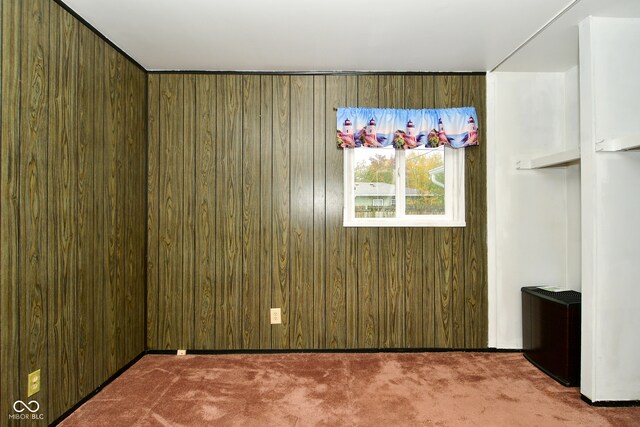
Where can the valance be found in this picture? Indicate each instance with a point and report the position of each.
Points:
(406, 129)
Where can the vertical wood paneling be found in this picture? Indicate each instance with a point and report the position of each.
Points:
(280, 334)
(134, 168)
(171, 215)
(153, 206)
(413, 318)
(251, 279)
(368, 262)
(337, 287)
(351, 249)
(391, 254)
(188, 212)
(449, 317)
(99, 208)
(119, 93)
(336, 316)
(301, 211)
(205, 209)
(140, 185)
(229, 210)
(429, 262)
(62, 233)
(475, 236)
(113, 128)
(10, 223)
(319, 207)
(86, 214)
(33, 259)
(266, 208)
(63, 198)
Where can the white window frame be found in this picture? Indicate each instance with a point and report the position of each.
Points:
(454, 215)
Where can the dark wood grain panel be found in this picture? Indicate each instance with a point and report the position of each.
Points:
(134, 175)
(139, 187)
(9, 207)
(368, 262)
(153, 205)
(457, 236)
(188, 212)
(62, 196)
(170, 211)
(229, 212)
(33, 256)
(205, 169)
(280, 334)
(100, 201)
(302, 204)
(129, 220)
(351, 249)
(475, 237)
(266, 207)
(62, 230)
(114, 138)
(448, 277)
(414, 283)
(251, 186)
(319, 211)
(86, 214)
(429, 263)
(336, 295)
(392, 244)
(119, 93)
(368, 287)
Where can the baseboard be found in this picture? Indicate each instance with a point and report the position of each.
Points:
(610, 403)
(100, 387)
(342, 350)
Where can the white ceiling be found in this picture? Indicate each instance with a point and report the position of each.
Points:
(319, 35)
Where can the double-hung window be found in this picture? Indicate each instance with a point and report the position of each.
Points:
(385, 187)
(405, 168)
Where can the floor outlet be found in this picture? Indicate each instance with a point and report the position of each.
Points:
(276, 316)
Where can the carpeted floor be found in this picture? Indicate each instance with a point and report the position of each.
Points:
(342, 389)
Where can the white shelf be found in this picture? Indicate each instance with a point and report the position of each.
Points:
(561, 158)
(624, 143)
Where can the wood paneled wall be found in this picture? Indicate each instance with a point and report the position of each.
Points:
(72, 207)
(245, 213)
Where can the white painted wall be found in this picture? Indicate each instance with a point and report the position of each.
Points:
(610, 97)
(532, 221)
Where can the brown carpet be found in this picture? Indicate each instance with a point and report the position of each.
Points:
(344, 389)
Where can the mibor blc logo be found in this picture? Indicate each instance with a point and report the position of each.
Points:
(26, 411)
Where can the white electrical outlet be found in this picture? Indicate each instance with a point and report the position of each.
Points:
(182, 352)
(276, 316)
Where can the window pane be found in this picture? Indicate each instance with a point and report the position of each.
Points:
(424, 184)
(375, 183)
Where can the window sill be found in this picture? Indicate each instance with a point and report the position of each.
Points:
(403, 223)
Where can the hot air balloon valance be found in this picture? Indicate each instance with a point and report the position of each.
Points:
(406, 129)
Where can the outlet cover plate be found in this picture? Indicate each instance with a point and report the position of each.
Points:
(276, 316)
(33, 383)
(182, 352)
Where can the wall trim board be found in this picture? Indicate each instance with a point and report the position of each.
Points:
(84, 22)
(173, 352)
(322, 73)
(610, 403)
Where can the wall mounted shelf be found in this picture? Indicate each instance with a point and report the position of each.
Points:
(624, 143)
(559, 159)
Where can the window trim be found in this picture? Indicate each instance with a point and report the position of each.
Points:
(454, 194)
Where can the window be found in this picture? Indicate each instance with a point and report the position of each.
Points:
(385, 187)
